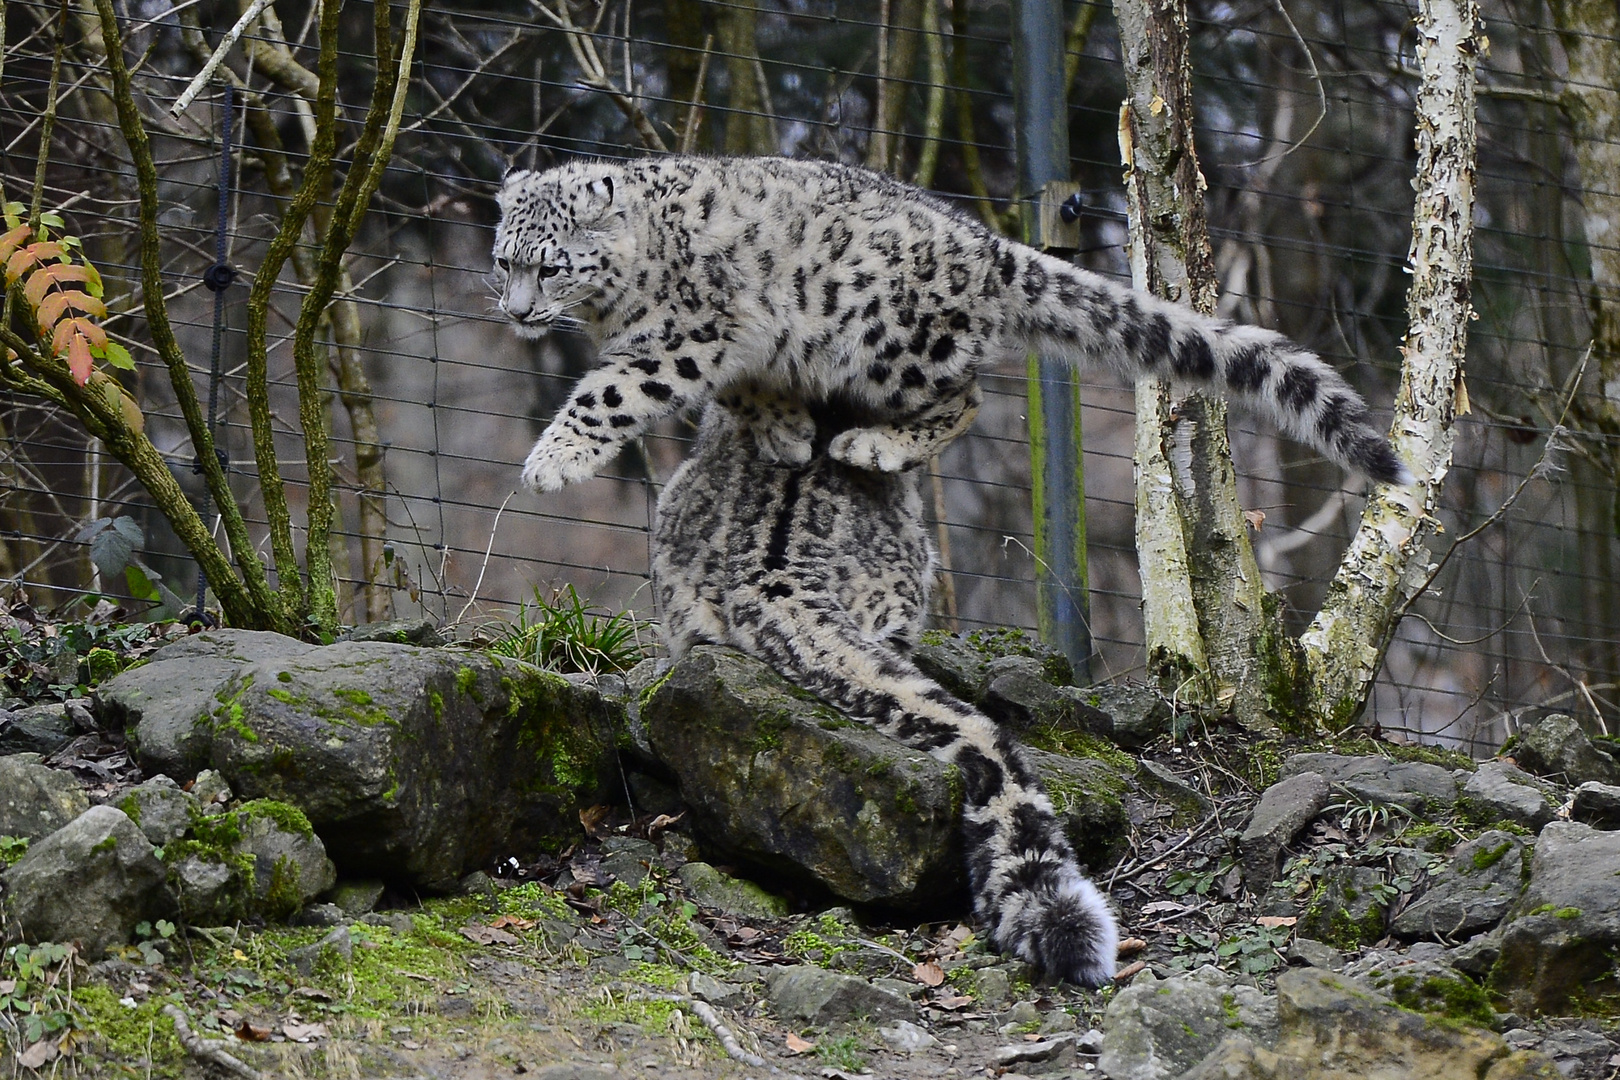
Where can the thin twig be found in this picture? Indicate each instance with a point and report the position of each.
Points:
(225, 43)
(694, 111)
(210, 1051)
(473, 599)
(712, 1021)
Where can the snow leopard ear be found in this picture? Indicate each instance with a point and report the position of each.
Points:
(597, 202)
(509, 183)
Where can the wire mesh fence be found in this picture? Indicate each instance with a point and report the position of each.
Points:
(1304, 128)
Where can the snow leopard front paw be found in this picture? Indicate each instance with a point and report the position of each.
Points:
(790, 441)
(554, 463)
(874, 449)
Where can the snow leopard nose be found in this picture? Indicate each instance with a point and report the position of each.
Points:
(518, 301)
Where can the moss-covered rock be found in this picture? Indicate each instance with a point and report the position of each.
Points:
(777, 780)
(1347, 910)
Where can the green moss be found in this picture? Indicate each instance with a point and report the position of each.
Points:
(353, 696)
(996, 642)
(1452, 999)
(288, 817)
(1567, 913)
(535, 699)
(284, 896)
(1263, 763)
(467, 683)
(1229, 1006)
(283, 696)
(12, 849)
(107, 843)
(1081, 744)
(1427, 755)
(102, 664)
(126, 1038)
(131, 806)
(1284, 679)
(1485, 858)
(436, 703)
(284, 676)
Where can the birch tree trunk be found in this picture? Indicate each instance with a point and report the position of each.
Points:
(1210, 630)
(1388, 560)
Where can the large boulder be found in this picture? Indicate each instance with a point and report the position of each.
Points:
(1560, 943)
(35, 801)
(1499, 791)
(166, 705)
(776, 779)
(413, 765)
(36, 729)
(1556, 746)
(1414, 785)
(1470, 893)
(90, 882)
(261, 860)
(1157, 1028)
(1334, 1028)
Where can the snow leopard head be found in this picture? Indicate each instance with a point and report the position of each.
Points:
(555, 245)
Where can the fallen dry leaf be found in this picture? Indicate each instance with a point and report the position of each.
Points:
(487, 935)
(797, 1045)
(304, 1032)
(591, 817)
(38, 1055)
(1131, 945)
(1271, 922)
(1162, 906)
(7, 985)
(952, 1002)
(514, 921)
(248, 1031)
(313, 993)
(929, 974)
(1129, 971)
(1255, 518)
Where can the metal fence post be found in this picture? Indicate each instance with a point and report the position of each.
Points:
(1042, 143)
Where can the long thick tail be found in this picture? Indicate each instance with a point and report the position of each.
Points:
(1026, 883)
(1090, 319)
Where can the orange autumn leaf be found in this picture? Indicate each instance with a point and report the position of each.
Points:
(929, 974)
(31, 256)
(95, 335)
(54, 306)
(11, 241)
(79, 359)
(797, 1045)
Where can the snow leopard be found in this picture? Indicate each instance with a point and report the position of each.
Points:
(817, 281)
(822, 570)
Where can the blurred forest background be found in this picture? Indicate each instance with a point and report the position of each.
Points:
(1304, 130)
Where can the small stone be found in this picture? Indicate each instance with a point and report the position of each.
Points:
(337, 945)
(1157, 1029)
(1597, 805)
(1502, 791)
(992, 987)
(90, 881)
(710, 888)
(211, 790)
(357, 896)
(1556, 746)
(35, 800)
(1023, 1014)
(1347, 912)
(161, 808)
(904, 1037)
(36, 729)
(319, 915)
(1020, 697)
(708, 988)
(1285, 808)
(1136, 715)
(1316, 954)
(400, 922)
(806, 995)
(627, 859)
(423, 633)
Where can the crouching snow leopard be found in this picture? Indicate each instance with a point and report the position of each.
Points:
(822, 570)
(817, 281)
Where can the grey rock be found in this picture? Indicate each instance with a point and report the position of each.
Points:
(35, 801)
(335, 947)
(1316, 954)
(904, 1037)
(1565, 931)
(356, 896)
(90, 881)
(290, 866)
(710, 888)
(319, 915)
(708, 988)
(1413, 784)
(415, 764)
(36, 729)
(1587, 1048)
(1162, 785)
(209, 891)
(1476, 956)
(211, 790)
(1157, 1028)
(1597, 805)
(1346, 912)
(1053, 1052)
(1135, 715)
(1420, 978)
(576, 1071)
(954, 664)
(992, 987)
(806, 995)
(774, 779)
(1285, 808)
(165, 705)
(1499, 790)
(1332, 1028)
(1021, 696)
(1089, 795)
(1556, 746)
(400, 922)
(423, 633)
(1471, 893)
(161, 808)
(627, 859)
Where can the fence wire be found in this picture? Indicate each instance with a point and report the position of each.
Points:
(1304, 128)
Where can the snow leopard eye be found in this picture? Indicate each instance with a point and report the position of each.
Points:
(550, 271)
(505, 265)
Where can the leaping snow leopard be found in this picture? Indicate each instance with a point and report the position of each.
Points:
(822, 570)
(818, 281)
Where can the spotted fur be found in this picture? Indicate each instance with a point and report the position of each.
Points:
(819, 282)
(822, 570)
